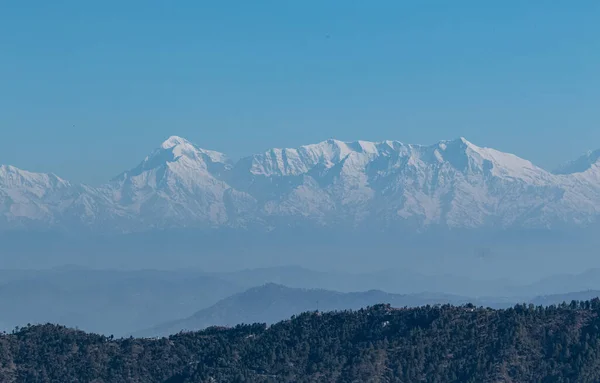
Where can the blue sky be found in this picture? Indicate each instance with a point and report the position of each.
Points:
(87, 89)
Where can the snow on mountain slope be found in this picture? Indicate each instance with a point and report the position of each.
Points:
(34, 199)
(581, 181)
(290, 162)
(455, 183)
(333, 183)
(588, 161)
(178, 183)
(26, 195)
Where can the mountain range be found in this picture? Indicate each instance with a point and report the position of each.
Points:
(385, 185)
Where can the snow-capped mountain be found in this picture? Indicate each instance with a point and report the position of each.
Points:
(27, 195)
(589, 160)
(178, 184)
(453, 184)
(36, 200)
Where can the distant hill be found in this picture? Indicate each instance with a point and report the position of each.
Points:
(560, 283)
(379, 344)
(546, 300)
(106, 301)
(396, 280)
(273, 302)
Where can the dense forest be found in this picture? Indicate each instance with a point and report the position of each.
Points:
(442, 344)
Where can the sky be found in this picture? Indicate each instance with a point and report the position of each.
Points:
(88, 89)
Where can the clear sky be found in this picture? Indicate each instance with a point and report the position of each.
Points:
(88, 88)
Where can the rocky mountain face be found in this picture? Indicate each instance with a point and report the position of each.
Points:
(387, 185)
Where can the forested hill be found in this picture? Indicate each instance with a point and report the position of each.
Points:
(379, 344)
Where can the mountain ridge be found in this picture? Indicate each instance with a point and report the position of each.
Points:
(272, 302)
(453, 184)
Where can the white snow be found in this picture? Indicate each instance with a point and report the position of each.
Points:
(174, 141)
(452, 183)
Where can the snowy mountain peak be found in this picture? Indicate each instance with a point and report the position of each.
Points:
(295, 161)
(174, 141)
(14, 177)
(459, 153)
(582, 164)
(500, 164)
(175, 156)
(179, 146)
(9, 169)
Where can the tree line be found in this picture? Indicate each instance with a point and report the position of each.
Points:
(437, 344)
